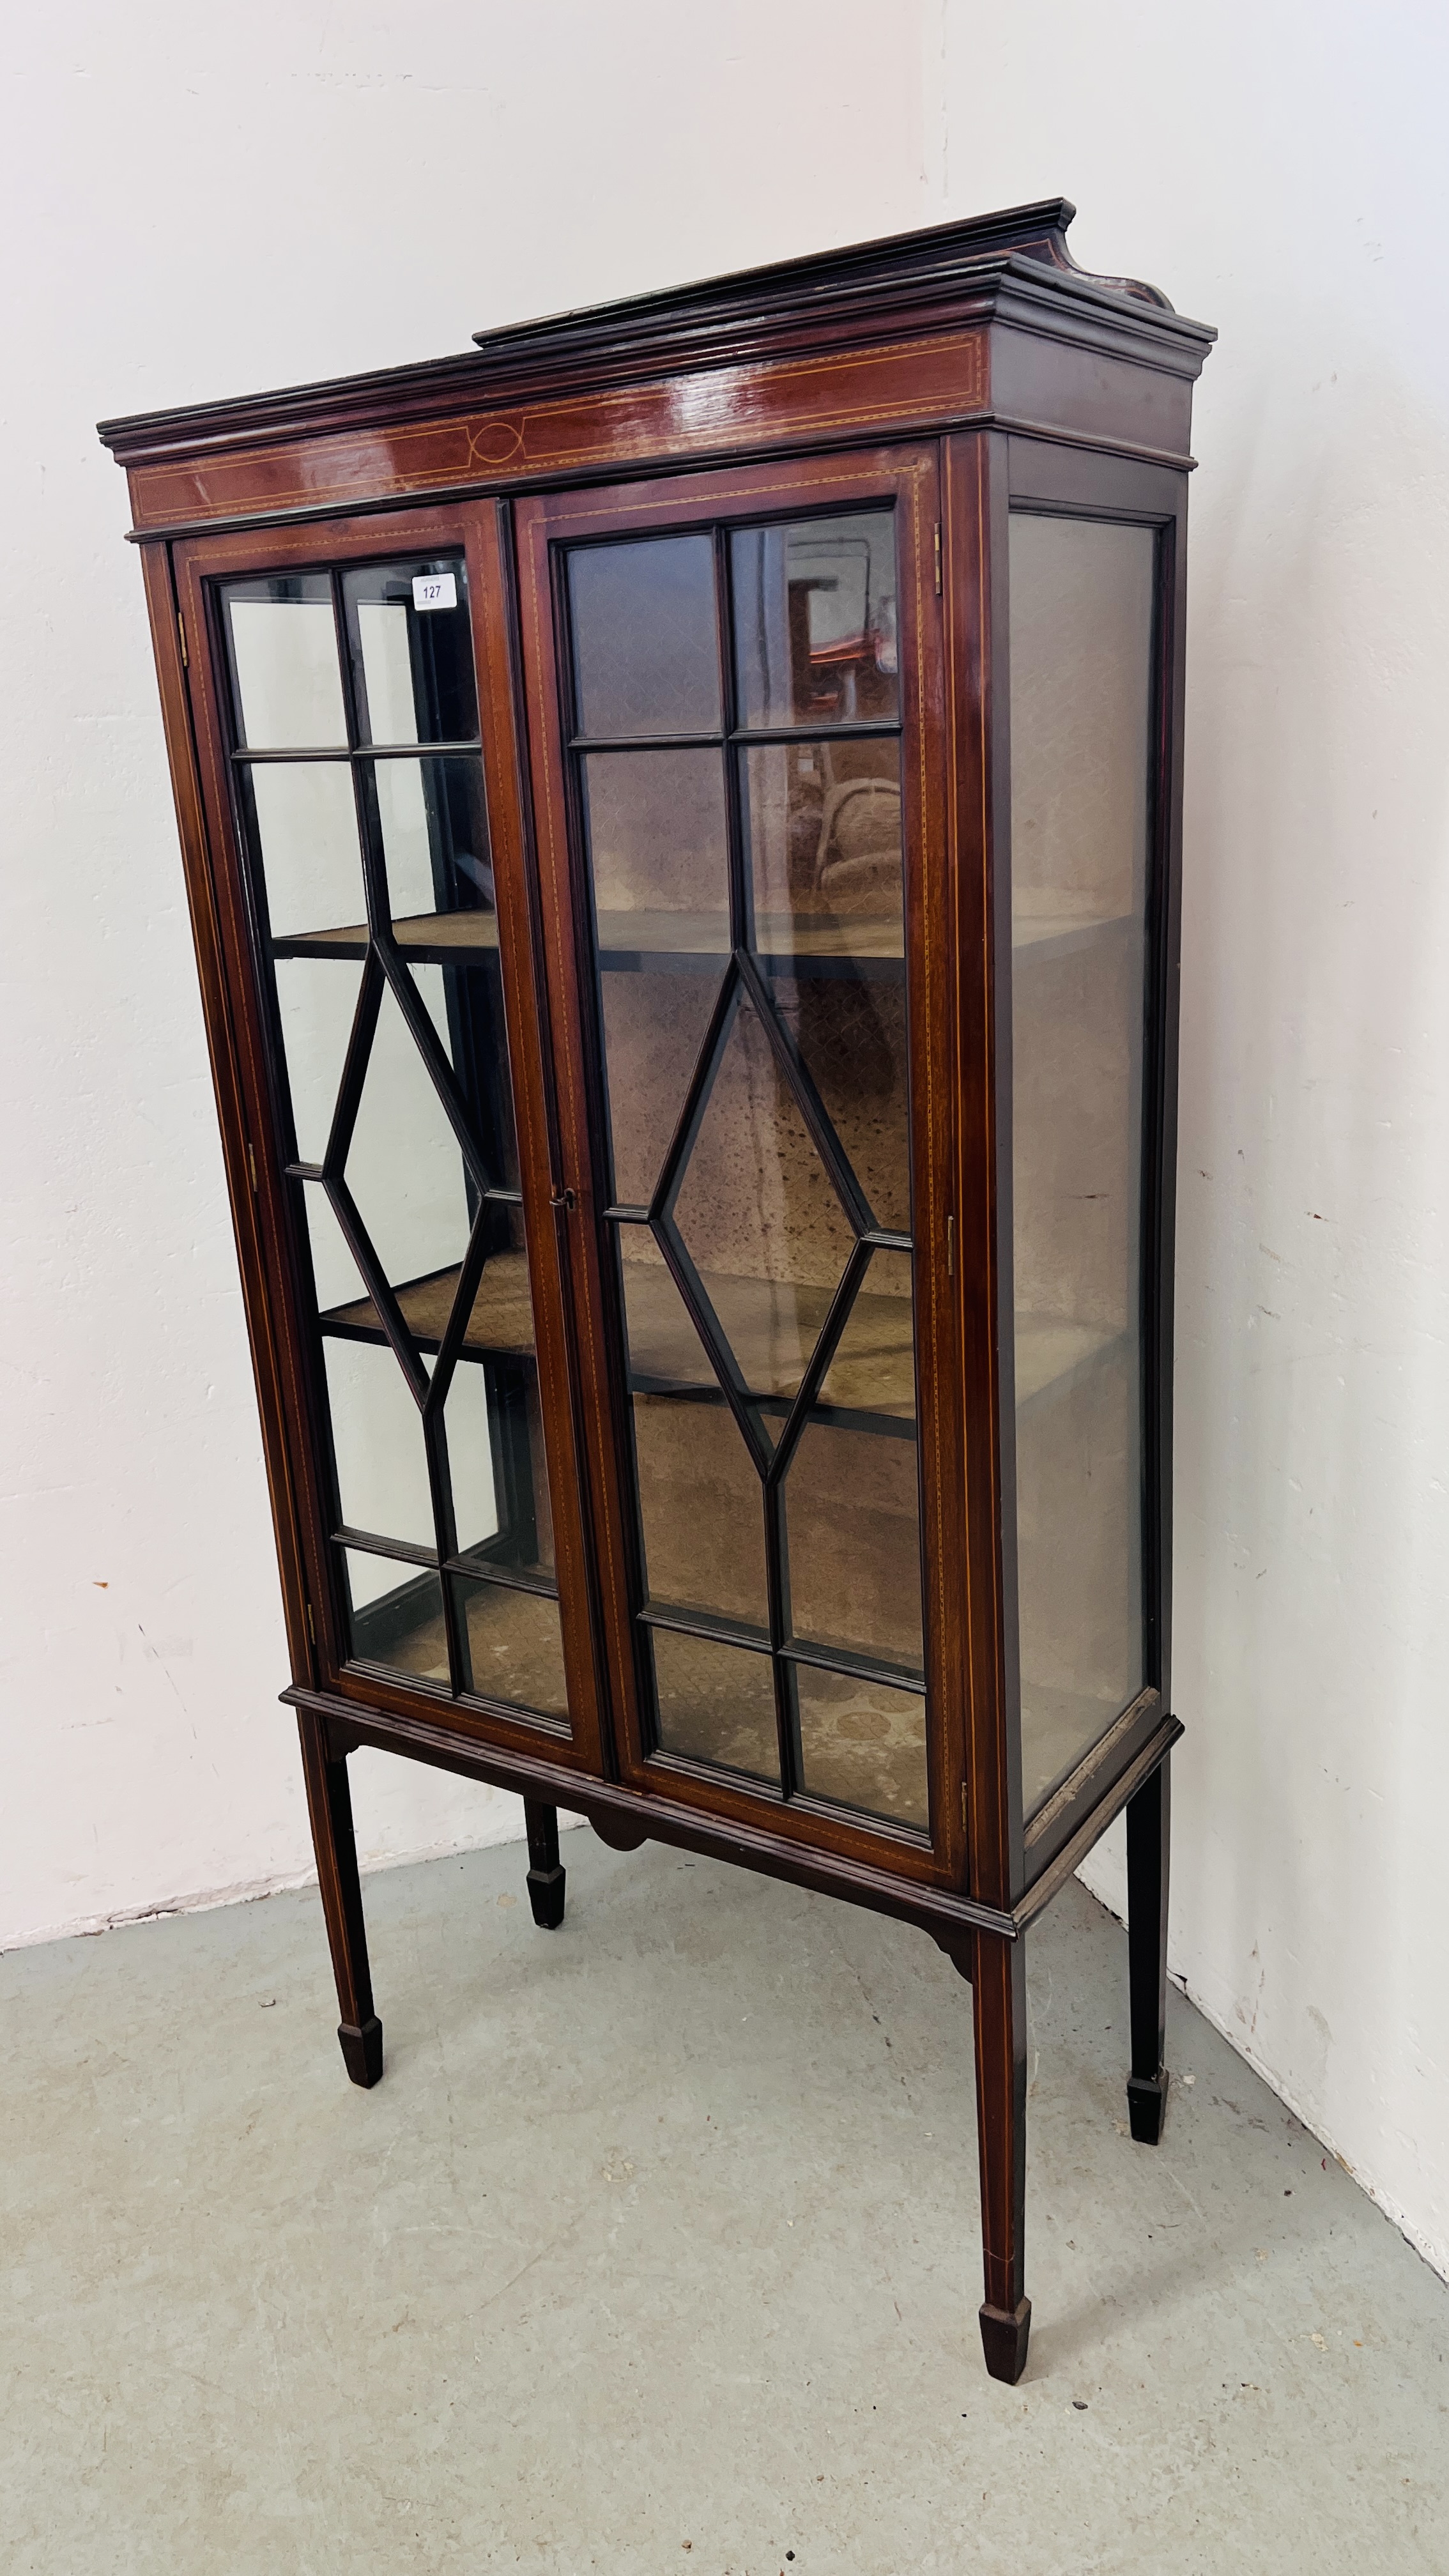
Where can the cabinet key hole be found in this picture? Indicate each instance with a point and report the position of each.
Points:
(563, 1199)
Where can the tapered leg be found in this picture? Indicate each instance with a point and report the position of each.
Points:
(329, 1804)
(1148, 1819)
(998, 2002)
(545, 1870)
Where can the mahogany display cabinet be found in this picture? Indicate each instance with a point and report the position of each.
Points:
(680, 809)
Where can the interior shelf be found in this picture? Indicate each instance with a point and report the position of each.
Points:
(772, 1327)
(1040, 935)
(501, 1324)
(438, 935)
(1053, 1352)
(631, 941)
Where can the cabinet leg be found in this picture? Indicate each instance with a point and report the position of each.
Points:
(998, 2005)
(1148, 1819)
(546, 1873)
(329, 1803)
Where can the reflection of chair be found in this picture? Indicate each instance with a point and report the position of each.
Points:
(859, 850)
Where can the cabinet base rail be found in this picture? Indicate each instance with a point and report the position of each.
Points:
(983, 1942)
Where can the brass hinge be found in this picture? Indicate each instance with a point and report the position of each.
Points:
(938, 558)
(252, 1168)
(950, 1247)
(181, 631)
(965, 1805)
(311, 1631)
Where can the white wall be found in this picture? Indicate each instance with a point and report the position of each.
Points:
(1275, 168)
(206, 202)
(200, 201)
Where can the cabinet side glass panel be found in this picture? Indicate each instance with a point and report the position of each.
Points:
(1082, 628)
(364, 821)
(748, 916)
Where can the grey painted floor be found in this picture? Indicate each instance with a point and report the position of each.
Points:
(656, 2249)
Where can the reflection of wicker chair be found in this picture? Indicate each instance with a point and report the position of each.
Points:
(858, 854)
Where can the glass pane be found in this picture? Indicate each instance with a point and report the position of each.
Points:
(815, 620)
(654, 1028)
(396, 1616)
(759, 1215)
(377, 1441)
(412, 653)
(716, 1702)
(434, 829)
(286, 685)
(316, 1003)
(335, 1275)
(514, 1646)
(872, 1368)
(302, 818)
(465, 1006)
(850, 1030)
(403, 1166)
(664, 1349)
(852, 1518)
(863, 1744)
(646, 652)
(659, 857)
(1081, 695)
(823, 823)
(658, 849)
(496, 1460)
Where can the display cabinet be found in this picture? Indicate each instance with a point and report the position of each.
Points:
(680, 808)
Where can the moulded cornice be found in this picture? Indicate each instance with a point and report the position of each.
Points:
(1014, 266)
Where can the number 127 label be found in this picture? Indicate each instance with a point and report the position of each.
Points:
(435, 590)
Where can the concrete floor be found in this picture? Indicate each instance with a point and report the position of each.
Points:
(657, 2248)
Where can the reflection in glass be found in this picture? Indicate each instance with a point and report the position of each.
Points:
(1081, 695)
(815, 620)
(716, 1703)
(412, 667)
(403, 1165)
(513, 1645)
(316, 1004)
(377, 1442)
(863, 1744)
(396, 1616)
(646, 652)
(304, 821)
(700, 1501)
(286, 686)
(823, 824)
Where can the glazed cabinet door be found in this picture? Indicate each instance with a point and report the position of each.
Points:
(735, 700)
(363, 801)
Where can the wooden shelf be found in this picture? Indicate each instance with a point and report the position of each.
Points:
(500, 1327)
(772, 1329)
(1054, 1352)
(631, 942)
(436, 935)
